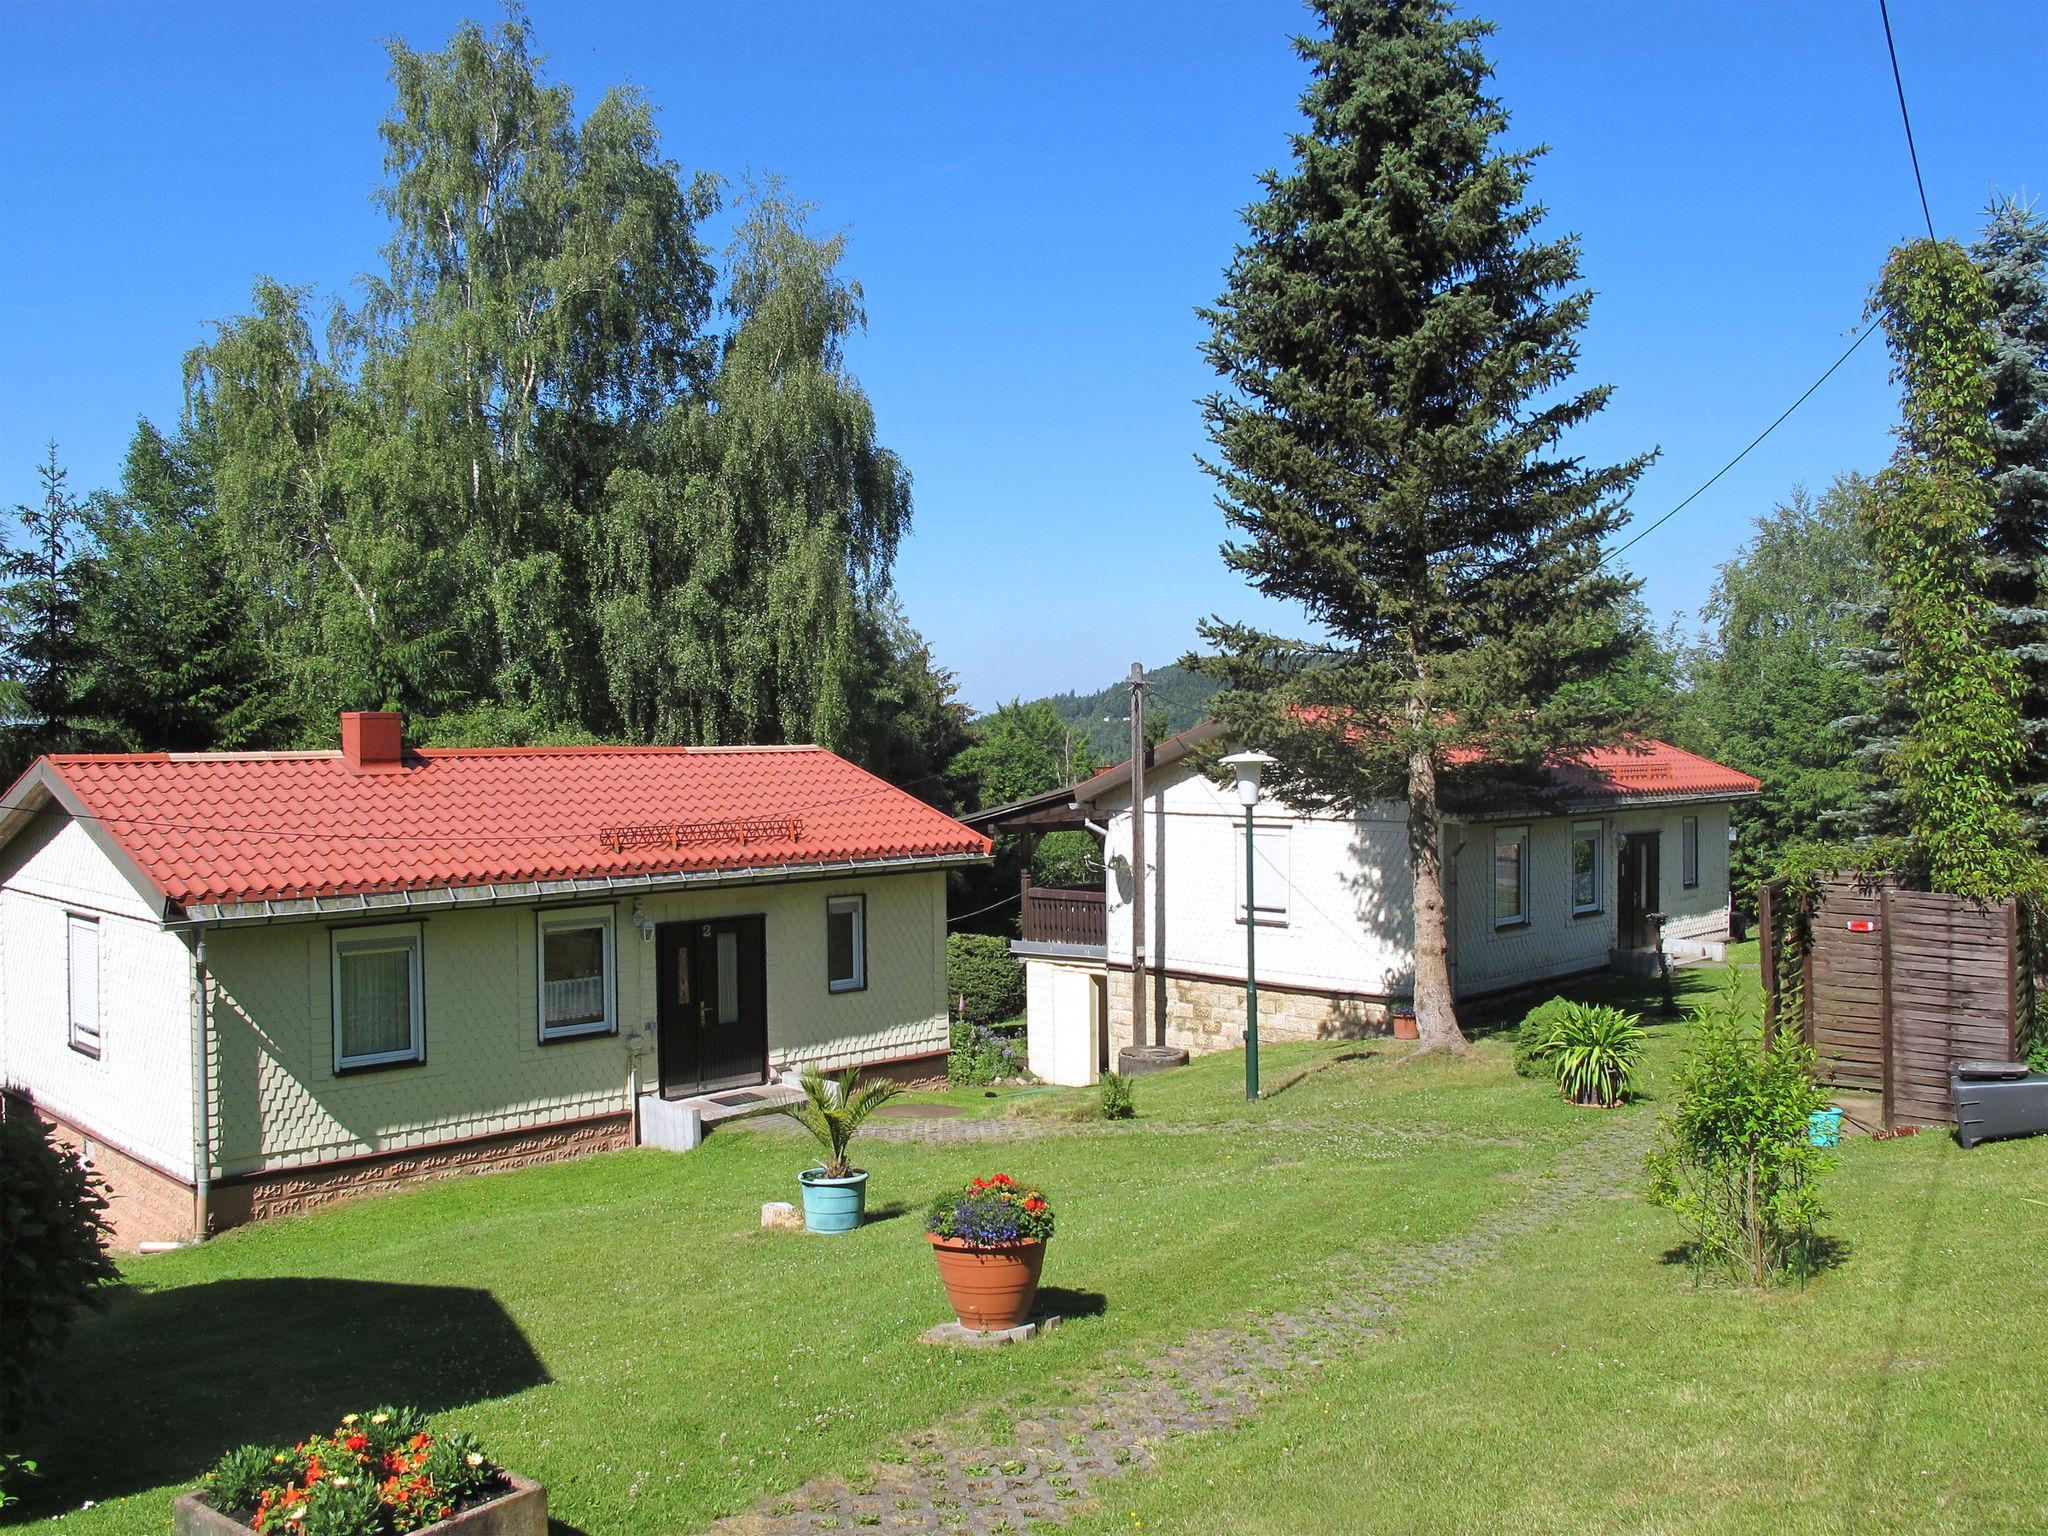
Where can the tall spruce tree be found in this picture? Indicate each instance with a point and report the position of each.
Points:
(1397, 347)
(175, 661)
(2013, 258)
(43, 651)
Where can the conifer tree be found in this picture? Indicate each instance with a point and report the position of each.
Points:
(43, 652)
(1397, 344)
(2013, 258)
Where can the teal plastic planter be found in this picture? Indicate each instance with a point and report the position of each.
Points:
(1824, 1126)
(833, 1205)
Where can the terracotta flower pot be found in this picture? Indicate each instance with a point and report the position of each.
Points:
(992, 1287)
(1404, 1025)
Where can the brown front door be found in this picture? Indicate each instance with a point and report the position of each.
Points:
(1636, 891)
(711, 1004)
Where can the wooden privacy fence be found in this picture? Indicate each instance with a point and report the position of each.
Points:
(1892, 985)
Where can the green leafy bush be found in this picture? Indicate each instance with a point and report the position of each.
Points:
(1119, 1097)
(1532, 1038)
(1733, 1159)
(982, 1055)
(1593, 1053)
(984, 980)
(53, 1254)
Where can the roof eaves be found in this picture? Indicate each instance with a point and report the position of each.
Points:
(504, 893)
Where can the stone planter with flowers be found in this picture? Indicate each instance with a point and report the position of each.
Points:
(384, 1473)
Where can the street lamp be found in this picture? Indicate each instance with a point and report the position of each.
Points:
(1248, 766)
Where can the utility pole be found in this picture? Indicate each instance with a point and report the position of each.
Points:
(1139, 978)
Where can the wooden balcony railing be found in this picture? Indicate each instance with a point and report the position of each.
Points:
(1055, 915)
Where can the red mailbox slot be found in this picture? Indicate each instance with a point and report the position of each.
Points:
(1861, 925)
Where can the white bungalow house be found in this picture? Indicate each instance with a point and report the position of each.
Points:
(1535, 892)
(248, 983)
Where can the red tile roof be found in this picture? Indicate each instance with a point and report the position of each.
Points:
(1655, 768)
(222, 828)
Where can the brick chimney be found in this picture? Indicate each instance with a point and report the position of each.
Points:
(373, 740)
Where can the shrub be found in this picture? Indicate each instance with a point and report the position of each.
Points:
(1532, 1039)
(1733, 1159)
(993, 1210)
(983, 978)
(982, 1055)
(379, 1474)
(53, 1254)
(1593, 1053)
(1119, 1097)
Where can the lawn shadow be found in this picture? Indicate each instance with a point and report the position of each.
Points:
(1342, 1058)
(1823, 1253)
(1060, 1301)
(888, 1211)
(564, 1528)
(176, 1377)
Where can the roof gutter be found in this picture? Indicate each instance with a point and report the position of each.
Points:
(401, 904)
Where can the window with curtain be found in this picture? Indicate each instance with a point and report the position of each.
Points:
(1586, 867)
(82, 968)
(576, 973)
(1270, 875)
(379, 1015)
(846, 943)
(1689, 851)
(1510, 876)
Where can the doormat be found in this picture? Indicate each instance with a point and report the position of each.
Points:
(735, 1100)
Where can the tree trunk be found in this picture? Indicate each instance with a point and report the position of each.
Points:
(1436, 1020)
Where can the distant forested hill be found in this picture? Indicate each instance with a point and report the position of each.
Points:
(1177, 700)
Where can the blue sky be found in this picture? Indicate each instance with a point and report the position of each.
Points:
(1038, 196)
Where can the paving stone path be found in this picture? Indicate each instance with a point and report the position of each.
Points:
(1058, 1457)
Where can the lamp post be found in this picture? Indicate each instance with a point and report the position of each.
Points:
(1248, 766)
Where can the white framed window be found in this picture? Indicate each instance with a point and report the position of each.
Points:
(1510, 876)
(1586, 867)
(578, 972)
(846, 943)
(379, 996)
(1689, 851)
(82, 986)
(1270, 882)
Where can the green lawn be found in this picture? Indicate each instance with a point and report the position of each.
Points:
(621, 1328)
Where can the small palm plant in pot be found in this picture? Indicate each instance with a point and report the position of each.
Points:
(989, 1239)
(1594, 1051)
(833, 1109)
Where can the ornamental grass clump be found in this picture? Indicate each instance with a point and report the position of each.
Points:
(382, 1473)
(1734, 1160)
(1593, 1052)
(990, 1212)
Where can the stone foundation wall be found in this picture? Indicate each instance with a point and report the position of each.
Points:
(1203, 1015)
(144, 1204)
(257, 1197)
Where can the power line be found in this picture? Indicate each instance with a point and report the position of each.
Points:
(1016, 896)
(1863, 336)
(1905, 116)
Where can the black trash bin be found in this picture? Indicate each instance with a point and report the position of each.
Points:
(1995, 1099)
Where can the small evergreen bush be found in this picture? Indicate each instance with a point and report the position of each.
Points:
(1533, 1038)
(984, 980)
(1733, 1160)
(53, 1254)
(1119, 1097)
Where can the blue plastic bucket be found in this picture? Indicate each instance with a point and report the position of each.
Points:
(833, 1205)
(1824, 1126)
